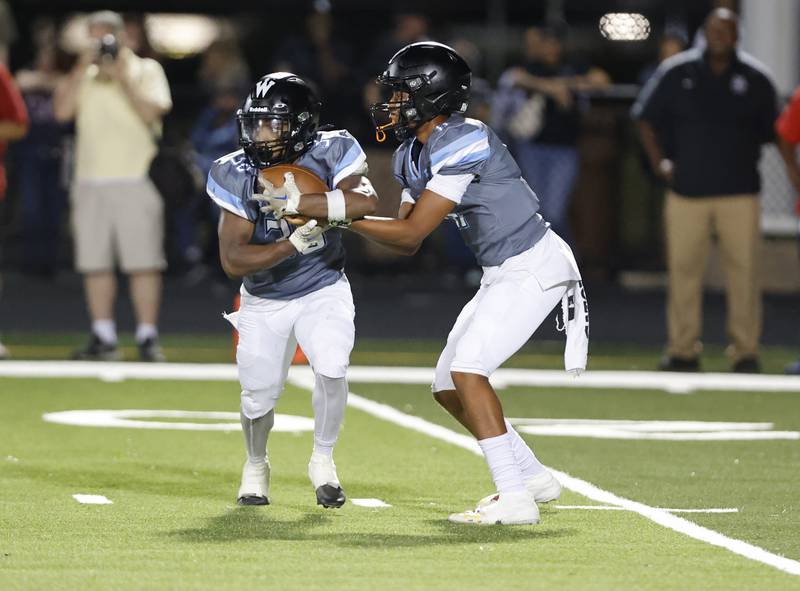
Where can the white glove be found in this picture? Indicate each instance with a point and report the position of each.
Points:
(282, 200)
(308, 238)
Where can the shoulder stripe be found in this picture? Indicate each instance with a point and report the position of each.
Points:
(352, 161)
(757, 65)
(474, 152)
(224, 198)
(477, 135)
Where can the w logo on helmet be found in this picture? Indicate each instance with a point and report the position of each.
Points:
(263, 86)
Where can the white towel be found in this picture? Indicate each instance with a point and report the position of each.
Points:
(574, 321)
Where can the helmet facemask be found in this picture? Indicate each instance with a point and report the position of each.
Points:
(399, 112)
(268, 138)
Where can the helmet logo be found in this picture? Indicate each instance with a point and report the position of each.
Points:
(414, 83)
(263, 86)
(303, 116)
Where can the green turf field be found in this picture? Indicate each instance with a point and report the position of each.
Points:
(174, 524)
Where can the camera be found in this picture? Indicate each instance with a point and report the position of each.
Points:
(108, 48)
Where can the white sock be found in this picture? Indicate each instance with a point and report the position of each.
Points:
(527, 461)
(105, 330)
(500, 457)
(146, 331)
(256, 432)
(329, 400)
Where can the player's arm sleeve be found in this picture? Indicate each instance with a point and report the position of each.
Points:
(347, 157)
(788, 124)
(224, 193)
(457, 157)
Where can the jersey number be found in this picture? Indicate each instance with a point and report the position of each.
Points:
(281, 226)
(460, 221)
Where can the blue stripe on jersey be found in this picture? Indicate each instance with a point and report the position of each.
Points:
(350, 156)
(225, 196)
(453, 147)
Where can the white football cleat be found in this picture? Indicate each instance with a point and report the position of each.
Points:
(544, 487)
(322, 472)
(516, 508)
(254, 489)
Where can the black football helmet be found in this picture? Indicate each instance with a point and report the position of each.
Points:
(278, 120)
(433, 79)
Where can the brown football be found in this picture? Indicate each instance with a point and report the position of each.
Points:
(306, 181)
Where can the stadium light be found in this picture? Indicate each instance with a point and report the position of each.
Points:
(181, 35)
(624, 26)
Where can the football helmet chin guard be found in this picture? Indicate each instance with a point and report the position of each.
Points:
(431, 79)
(278, 120)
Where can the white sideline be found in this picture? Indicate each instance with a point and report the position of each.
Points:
(302, 377)
(636, 380)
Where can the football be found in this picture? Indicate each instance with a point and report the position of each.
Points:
(305, 179)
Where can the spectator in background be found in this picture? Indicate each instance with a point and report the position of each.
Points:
(42, 182)
(215, 134)
(409, 27)
(222, 60)
(117, 101)
(136, 36)
(714, 108)
(8, 31)
(539, 110)
(326, 60)
(787, 128)
(672, 42)
(13, 126)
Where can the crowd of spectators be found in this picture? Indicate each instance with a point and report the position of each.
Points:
(64, 148)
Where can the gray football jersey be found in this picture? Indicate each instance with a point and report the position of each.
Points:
(498, 214)
(334, 156)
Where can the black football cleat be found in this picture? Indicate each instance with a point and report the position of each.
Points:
(330, 497)
(252, 500)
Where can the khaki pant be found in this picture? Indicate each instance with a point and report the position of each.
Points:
(118, 221)
(690, 226)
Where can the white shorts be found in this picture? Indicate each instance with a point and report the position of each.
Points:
(512, 302)
(269, 330)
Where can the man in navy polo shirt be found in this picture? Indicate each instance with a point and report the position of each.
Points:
(703, 117)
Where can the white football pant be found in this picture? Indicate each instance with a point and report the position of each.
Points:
(269, 330)
(512, 302)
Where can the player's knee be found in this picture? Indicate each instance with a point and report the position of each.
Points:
(257, 403)
(464, 380)
(333, 369)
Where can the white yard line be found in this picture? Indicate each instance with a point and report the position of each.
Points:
(660, 516)
(84, 499)
(301, 376)
(626, 380)
(615, 508)
(370, 503)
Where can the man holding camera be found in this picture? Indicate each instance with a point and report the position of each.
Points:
(117, 100)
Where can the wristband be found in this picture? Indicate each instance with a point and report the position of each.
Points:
(337, 210)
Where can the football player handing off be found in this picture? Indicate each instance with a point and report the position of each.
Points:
(453, 167)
